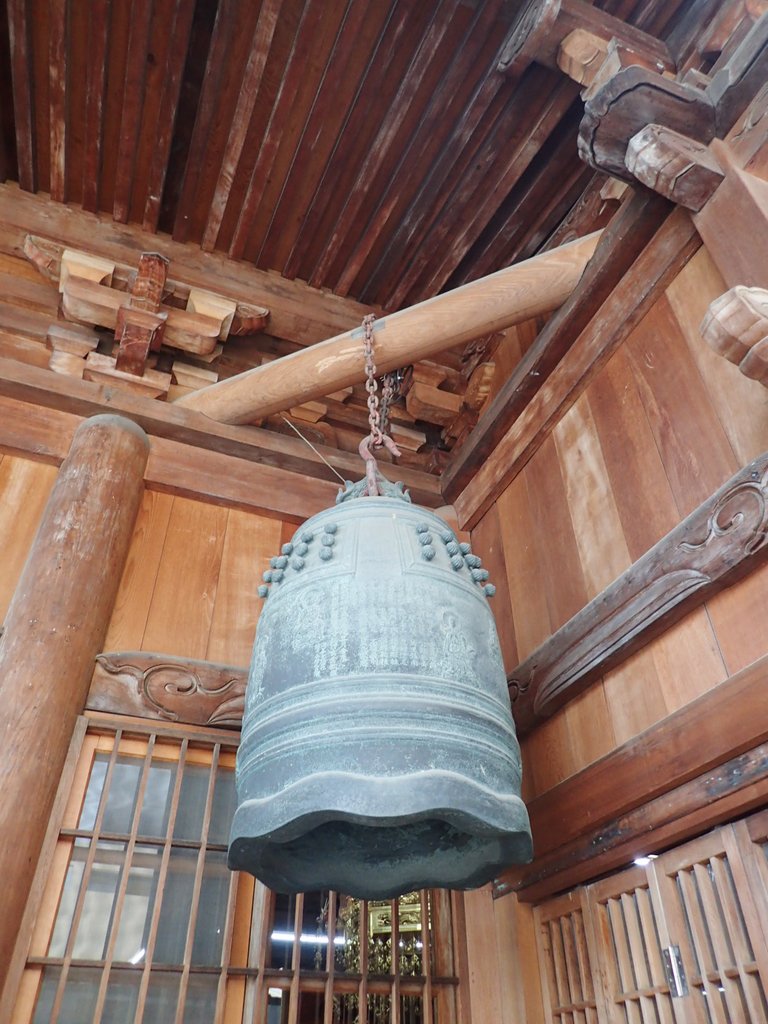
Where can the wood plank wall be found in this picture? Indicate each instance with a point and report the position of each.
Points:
(24, 489)
(663, 426)
(189, 586)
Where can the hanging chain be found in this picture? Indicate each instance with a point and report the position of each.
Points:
(378, 413)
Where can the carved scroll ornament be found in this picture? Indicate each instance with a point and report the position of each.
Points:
(168, 688)
(719, 543)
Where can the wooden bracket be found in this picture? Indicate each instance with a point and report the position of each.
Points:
(632, 99)
(736, 327)
(673, 165)
(542, 26)
(723, 540)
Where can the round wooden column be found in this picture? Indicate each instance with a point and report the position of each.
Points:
(54, 628)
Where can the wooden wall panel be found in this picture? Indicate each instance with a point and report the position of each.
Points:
(503, 970)
(24, 490)
(663, 425)
(189, 586)
(249, 543)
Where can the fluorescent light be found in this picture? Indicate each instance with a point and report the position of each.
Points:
(308, 940)
(137, 956)
(275, 993)
(645, 859)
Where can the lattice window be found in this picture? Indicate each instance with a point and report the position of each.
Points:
(682, 939)
(569, 993)
(142, 922)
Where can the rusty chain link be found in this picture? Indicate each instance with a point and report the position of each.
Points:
(378, 413)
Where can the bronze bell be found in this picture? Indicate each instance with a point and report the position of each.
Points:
(378, 751)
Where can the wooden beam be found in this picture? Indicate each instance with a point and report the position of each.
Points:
(593, 806)
(297, 312)
(630, 230)
(160, 419)
(54, 628)
(542, 25)
(721, 542)
(586, 353)
(507, 297)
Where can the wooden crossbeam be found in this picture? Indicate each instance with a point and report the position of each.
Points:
(653, 789)
(630, 230)
(169, 421)
(509, 296)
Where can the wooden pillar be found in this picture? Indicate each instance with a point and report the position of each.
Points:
(54, 628)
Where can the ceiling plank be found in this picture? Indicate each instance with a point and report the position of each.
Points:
(493, 303)
(57, 97)
(246, 102)
(179, 35)
(376, 93)
(450, 247)
(95, 84)
(384, 149)
(420, 150)
(356, 48)
(23, 102)
(297, 312)
(133, 101)
(302, 76)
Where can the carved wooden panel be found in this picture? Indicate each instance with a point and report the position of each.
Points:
(171, 689)
(723, 540)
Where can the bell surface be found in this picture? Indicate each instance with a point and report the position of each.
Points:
(378, 752)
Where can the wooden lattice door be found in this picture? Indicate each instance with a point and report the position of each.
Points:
(681, 939)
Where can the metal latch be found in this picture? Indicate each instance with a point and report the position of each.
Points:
(673, 968)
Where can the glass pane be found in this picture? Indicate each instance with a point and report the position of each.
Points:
(345, 1009)
(212, 910)
(410, 1010)
(96, 916)
(121, 797)
(139, 901)
(278, 1003)
(162, 996)
(194, 790)
(347, 938)
(157, 799)
(46, 995)
(122, 996)
(80, 994)
(314, 932)
(69, 892)
(200, 1004)
(93, 792)
(280, 952)
(224, 804)
(311, 1007)
(174, 912)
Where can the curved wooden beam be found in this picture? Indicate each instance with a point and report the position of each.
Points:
(493, 303)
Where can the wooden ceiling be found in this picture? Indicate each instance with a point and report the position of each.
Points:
(370, 148)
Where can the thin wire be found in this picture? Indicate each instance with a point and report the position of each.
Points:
(317, 453)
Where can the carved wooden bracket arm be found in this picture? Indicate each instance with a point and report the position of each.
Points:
(736, 327)
(723, 540)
